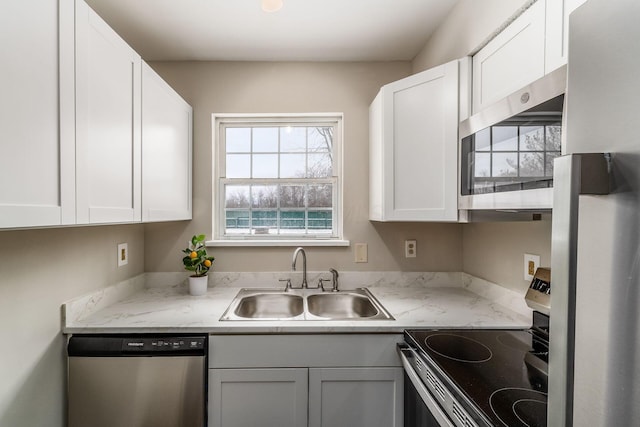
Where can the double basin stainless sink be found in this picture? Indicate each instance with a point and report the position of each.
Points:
(305, 304)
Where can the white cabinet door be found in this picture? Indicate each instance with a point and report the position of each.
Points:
(107, 123)
(166, 151)
(32, 154)
(258, 397)
(557, 31)
(413, 148)
(356, 397)
(513, 59)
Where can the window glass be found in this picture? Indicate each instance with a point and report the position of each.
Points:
(279, 178)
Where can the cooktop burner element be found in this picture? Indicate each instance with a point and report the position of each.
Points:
(458, 348)
(517, 407)
(486, 373)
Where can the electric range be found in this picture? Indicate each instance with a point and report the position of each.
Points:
(477, 377)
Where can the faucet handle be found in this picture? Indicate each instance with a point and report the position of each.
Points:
(288, 285)
(320, 282)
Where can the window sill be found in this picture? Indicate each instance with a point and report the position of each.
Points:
(318, 242)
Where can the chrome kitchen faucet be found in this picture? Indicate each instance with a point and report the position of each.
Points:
(304, 265)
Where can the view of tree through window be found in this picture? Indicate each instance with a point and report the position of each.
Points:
(514, 155)
(278, 180)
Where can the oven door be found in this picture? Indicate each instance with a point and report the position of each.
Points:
(420, 407)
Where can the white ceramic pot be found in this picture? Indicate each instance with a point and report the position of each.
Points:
(198, 285)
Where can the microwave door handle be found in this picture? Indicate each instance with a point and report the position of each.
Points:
(433, 406)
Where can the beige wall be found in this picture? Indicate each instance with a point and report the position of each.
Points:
(495, 251)
(468, 25)
(250, 87)
(39, 270)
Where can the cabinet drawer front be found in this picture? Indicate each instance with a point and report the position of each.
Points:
(344, 350)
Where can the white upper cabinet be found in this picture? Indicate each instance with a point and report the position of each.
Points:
(513, 59)
(33, 192)
(557, 31)
(108, 137)
(166, 151)
(413, 134)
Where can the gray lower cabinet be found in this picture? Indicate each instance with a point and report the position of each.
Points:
(323, 380)
(258, 397)
(297, 397)
(355, 397)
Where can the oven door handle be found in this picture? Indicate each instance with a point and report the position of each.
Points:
(441, 417)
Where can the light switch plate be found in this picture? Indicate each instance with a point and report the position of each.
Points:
(361, 253)
(531, 264)
(123, 254)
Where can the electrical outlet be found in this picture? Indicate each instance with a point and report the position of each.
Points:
(410, 249)
(531, 264)
(361, 254)
(123, 254)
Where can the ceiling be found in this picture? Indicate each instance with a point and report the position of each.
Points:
(303, 30)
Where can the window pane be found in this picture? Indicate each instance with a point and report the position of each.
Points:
(320, 196)
(237, 221)
(505, 164)
(265, 166)
(319, 166)
(548, 166)
(532, 164)
(238, 140)
(505, 138)
(483, 140)
(292, 196)
(532, 138)
(264, 196)
(292, 166)
(264, 222)
(293, 139)
(554, 135)
(292, 222)
(482, 165)
(236, 196)
(320, 220)
(320, 139)
(265, 140)
(238, 165)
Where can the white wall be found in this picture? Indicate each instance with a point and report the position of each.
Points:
(273, 87)
(39, 270)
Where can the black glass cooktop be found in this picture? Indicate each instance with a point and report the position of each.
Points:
(489, 371)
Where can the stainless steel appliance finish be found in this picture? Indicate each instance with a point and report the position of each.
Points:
(501, 171)
(267, 304)
(133, 381)
(602, 111)
(575, 174)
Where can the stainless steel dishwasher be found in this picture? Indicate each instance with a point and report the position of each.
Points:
(137, 380)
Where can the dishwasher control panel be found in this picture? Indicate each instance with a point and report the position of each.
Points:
(131, 345)
(162, 344)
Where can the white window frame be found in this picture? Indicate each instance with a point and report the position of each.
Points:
(218, 171)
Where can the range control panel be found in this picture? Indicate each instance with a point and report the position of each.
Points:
(538, 295)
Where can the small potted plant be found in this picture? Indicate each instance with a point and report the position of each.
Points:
(197, 261)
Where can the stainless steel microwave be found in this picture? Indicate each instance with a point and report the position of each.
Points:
(507, 149)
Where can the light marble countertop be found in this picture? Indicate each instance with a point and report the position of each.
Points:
(140, 308)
